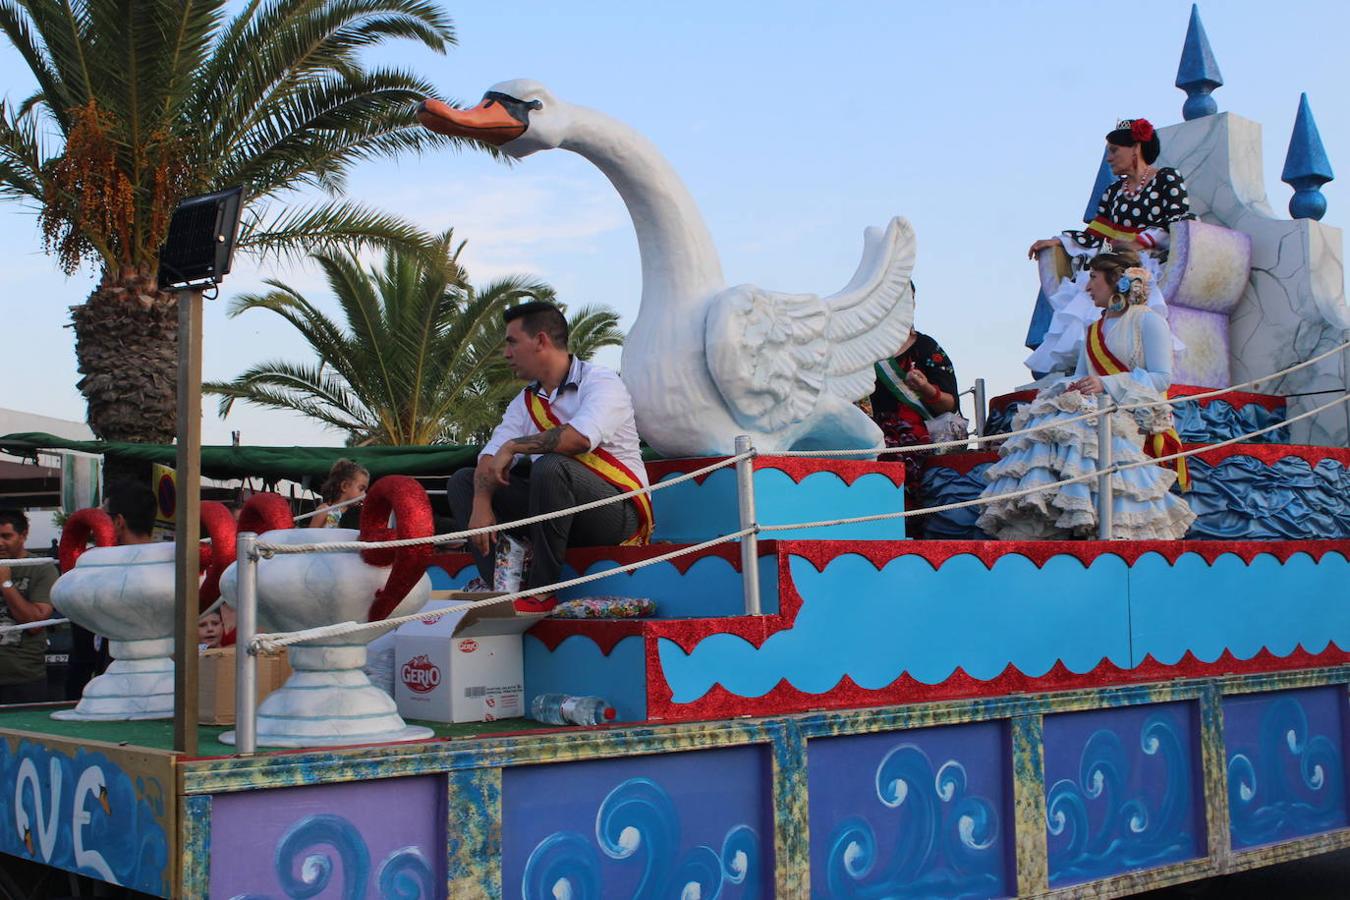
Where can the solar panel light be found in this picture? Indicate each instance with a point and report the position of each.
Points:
(201, 238)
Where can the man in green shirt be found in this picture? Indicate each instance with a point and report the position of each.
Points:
(25, 592)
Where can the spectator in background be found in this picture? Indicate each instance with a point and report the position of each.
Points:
(131, 507)
(209, 629)
(25, 591)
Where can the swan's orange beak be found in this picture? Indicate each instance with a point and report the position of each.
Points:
(489, 122)
(103, 800)
(28, 840)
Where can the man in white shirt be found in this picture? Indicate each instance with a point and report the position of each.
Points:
(568, 438)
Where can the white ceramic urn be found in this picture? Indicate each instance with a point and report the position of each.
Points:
(125, 594)
(328, 700)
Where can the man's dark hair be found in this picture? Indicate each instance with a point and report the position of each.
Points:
(537, 316)
(16, 518)
(135, 503)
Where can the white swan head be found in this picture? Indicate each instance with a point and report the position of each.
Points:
(519, 117)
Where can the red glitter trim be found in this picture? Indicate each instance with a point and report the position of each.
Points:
(719, 703)
(879, 553)
(795, 467)
(962, 461)
(605, 634)
(1272, 453)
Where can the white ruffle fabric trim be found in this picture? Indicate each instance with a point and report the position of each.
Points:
(1074, 312)
(1143, 509)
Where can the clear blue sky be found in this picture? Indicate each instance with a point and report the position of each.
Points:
(795, 125)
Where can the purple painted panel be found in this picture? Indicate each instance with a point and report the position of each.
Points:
(921, 813)
(1285, 752)
(364, 839)
(1123, 790)
(675, 825)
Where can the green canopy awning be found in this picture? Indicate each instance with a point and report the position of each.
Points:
(272, 463)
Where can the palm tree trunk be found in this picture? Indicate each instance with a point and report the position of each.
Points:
(126, 344)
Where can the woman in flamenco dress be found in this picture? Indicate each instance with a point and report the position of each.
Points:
(1133, 214)
(1127, 358)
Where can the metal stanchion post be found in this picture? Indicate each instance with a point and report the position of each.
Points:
(745, 495)
(1105, 502)
(245, 663)
(980, 408)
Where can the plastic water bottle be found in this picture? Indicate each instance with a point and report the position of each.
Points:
(565, 709)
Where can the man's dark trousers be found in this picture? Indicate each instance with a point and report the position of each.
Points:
(553, 482)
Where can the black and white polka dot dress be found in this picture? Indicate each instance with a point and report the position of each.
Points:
(1143, 216)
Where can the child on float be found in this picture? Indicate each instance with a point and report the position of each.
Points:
(346, 481)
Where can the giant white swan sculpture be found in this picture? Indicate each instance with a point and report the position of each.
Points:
(705, 362)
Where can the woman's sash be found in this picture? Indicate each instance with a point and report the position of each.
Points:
(1113, 231)
(891, 378)
(604, 464)
(1161, 443)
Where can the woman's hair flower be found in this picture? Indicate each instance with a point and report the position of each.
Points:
(1141, 130)
(1123, 284)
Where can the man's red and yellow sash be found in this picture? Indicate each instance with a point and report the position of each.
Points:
(1162, 443)
(602, 463)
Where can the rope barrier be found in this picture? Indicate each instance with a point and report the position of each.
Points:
(28, 562)
(29, 626)
(271, 643)
(268, 550)
(325, 510)
(994, 438)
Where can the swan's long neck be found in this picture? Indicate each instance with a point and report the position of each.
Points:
(680, 268)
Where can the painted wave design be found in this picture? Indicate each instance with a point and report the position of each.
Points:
(1293, 787)
(947, 844)
(1097, 827)
(637, 823)
(83, 814)
(304, 869)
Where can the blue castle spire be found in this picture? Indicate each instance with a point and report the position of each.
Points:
(1198, 73)
(1306, 167)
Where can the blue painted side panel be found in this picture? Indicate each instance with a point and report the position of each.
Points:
(873, 625)
(1123, 791)
(672, 825)
(692, 512)
(1285, 754)
(1236, 606)
(919, 813)
(576, 666)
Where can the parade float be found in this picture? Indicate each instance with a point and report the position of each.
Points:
(820, 706)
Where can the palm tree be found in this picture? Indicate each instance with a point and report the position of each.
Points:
(142, 103)
(419, 358)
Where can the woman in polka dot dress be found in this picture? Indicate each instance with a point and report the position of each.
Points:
(1133, 214)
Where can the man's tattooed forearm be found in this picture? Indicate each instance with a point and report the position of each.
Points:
(544, 442)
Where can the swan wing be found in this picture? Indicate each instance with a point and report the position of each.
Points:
(768, 354)
(874, 313)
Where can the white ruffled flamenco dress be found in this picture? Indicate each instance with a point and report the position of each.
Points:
(1073, 312)
(1143, 508)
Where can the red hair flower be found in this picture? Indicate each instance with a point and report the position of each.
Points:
(1141, 130)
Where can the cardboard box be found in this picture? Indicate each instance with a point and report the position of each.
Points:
(462, 667)
(215, 682)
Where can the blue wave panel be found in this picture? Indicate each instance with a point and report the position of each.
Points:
(1243, 498)
(694, 824)
(360, 840)
(1209, 424)
(84, 814)
(711, 586)
(576, 666)
(920, 813)
(1236, 606)
(442, 580)
(693, 513)
(1123, 791)
(1285, 755)
(876, 625)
